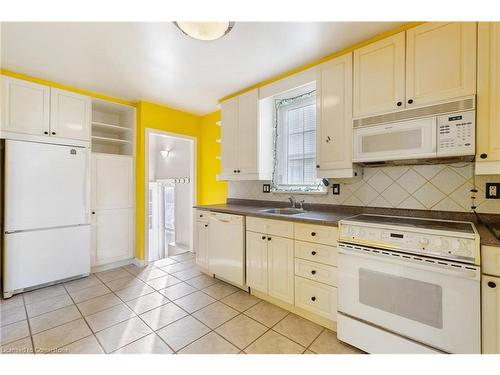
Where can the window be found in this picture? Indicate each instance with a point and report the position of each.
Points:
(295, 143)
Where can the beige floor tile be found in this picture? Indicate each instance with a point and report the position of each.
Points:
(134, 292)
(151, 274)
(147, 302)
(163, 282)
(60, 336)
(12, 315)
(327, 343)
(176, 267)
(266, 313)
(163, 315)
(83, 283)
(97, 304)
(164, 262)
(274, 343)
(81, 295)
(202, 281)
(298, 329)
(308, 352)
(183, 257)
(23, 346)
(106, 318)
(215, 314)
(210, 344)
(150, 344)
(124, 282)
(241, 300)
(87, 345)
(112, 274)
(241, 331)
(44, 293)
(135, 270)
(182, 332)
(177, 291)
(122, 334)
(220, 290)
(49, 304)
(14, 301)
(187, 274)
(54, 318)
(194, 301)
(14, 332)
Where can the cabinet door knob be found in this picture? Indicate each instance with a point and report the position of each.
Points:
(53, 133)
(483, 156)
(492, 284)
(234, 171)
(313, 252)
(313, 272)
(45, 132)
(93, 212)
(238, 171)
(313, 234)
(313, 299)
(399, 104)
(410, 101)
(269, 238)
(328, 139)
(317, 166)
(263, 237)
(206, 225)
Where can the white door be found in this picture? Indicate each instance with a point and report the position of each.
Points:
(70, 115)
(25, 107)
(248, 122)
(440, 62)
(45, 186)
(229, 134)
(334, 115)
(491, 314)
(113, 233)
(112, 181)
(281, 268)
(154, 221)
(379, 76)
(256, 259)
(202, 244)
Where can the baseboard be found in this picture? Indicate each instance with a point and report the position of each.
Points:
(108, 266)
(139, 262)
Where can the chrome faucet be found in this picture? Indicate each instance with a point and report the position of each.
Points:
(301, 204)
(293, 201)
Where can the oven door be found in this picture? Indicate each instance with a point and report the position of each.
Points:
(414, 139)
(437, 304)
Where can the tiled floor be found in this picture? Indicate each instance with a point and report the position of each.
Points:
(166, 307)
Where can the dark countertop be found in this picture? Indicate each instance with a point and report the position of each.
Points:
(332, 214)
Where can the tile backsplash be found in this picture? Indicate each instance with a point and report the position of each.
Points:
(440, 187)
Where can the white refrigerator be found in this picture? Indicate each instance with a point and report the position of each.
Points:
(46, 214)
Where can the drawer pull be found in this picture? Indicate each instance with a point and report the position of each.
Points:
(313, 272)
(313, 299)
(313, 252)
(206, 225)
(492, 284)
(269, 238)
(313, 234)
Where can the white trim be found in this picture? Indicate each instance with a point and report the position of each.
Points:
(112, 265)
(148, 132)
(289, 83)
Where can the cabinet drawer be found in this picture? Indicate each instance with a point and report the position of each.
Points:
(490, 260)
(202, 216)
(316, 233)
(316, 271)
(276, 227)
(317, 298)
(316, 252)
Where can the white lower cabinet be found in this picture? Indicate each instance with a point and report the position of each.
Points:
(491, 314)
(317, 298)
(280, 268)
(256, 261)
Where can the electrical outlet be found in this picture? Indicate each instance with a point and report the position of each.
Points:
(336, 189)
(266, 188)
(492, 190)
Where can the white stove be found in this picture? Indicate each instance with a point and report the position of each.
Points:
(409, 285)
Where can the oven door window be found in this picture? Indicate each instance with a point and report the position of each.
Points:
(413, 299)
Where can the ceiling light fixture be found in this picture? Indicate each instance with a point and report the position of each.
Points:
(205, 30)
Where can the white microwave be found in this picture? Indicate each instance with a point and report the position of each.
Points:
(437, 136)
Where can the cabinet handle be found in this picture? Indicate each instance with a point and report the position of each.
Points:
(313, 272)
(93, 212)
(313, 299)
(483, 156)
(45, 132)
(234, 171)
(239, 171)
(263, 237)
(492, 284)
(269, 238)
(317, 166)
(206, 225)
(399, 104)
(328, 139)
(313, 252)
(410, 101)
(53, 133)
(313, 234)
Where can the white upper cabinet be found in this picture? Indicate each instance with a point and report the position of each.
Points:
(379, 76)
(248, 122)
(440, 62)
(334, 118)
(229, 132)
(70, 115)
(25, 107)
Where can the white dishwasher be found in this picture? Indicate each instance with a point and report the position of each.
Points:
(226, 247)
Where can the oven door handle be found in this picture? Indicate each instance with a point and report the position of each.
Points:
(472, 272)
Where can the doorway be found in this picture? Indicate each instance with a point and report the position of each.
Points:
(171, 191)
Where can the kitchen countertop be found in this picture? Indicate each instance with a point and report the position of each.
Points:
(332, 214)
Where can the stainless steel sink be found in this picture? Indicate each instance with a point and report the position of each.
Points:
(283, 211)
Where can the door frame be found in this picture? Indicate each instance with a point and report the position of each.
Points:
(153, 131)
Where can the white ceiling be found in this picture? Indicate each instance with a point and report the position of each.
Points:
(156, 62)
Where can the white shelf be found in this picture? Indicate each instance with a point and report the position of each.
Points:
(218, 158)
(218, 123)
(109, 140)
(217, 140)
(110, 127)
